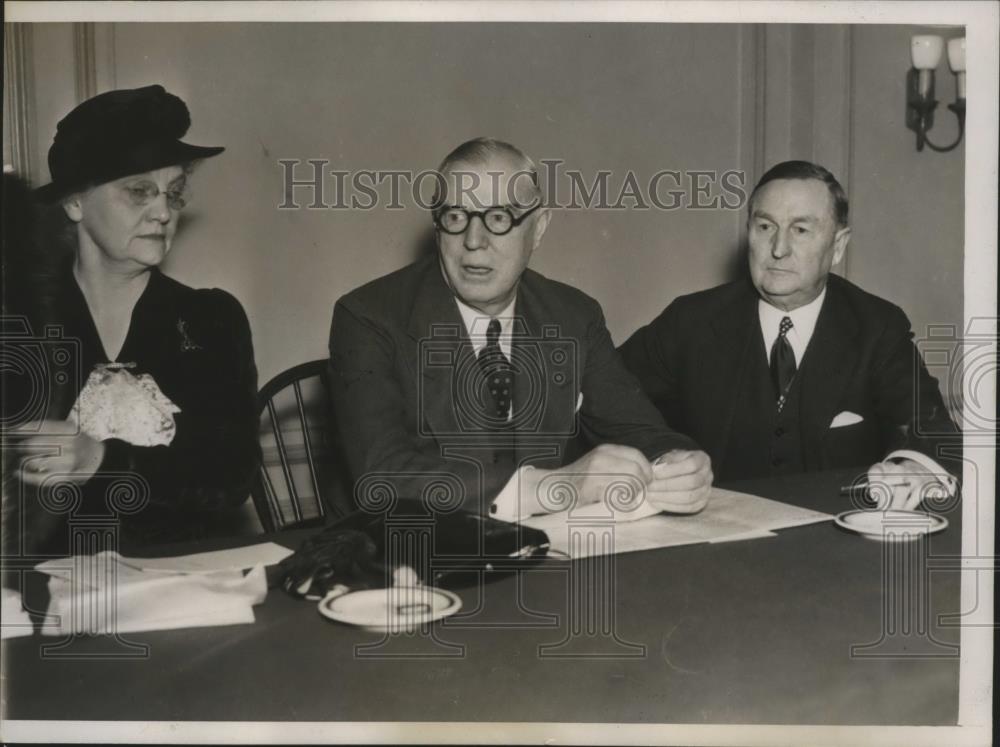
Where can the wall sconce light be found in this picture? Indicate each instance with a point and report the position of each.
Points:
(925, 51)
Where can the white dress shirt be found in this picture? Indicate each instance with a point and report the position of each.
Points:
(505, 505)
(803, 325)
(476, 323)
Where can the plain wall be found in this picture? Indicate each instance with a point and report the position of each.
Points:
(599, 96)
(400, 96)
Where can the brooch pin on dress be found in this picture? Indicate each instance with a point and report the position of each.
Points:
(187, 344)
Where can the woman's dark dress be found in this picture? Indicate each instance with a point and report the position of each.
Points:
(196, 345)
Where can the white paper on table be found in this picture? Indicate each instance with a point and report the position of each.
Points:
(602, 512)
(756, 534)
(92, 571)
(237, 559)
(729, 516)
(116, 599)
(14, 621)
(763, 512)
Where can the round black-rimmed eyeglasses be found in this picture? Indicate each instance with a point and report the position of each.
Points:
(498, 220)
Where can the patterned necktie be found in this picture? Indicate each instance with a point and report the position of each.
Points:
(499, 375)
(782, 362)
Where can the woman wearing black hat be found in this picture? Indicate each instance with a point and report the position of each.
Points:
(153, 409)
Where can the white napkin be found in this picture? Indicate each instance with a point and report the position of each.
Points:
(115, 404)
(235, 559)
(101, 595)
(14, 621)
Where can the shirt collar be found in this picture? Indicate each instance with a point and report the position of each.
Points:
(476, 323)
(803, 323)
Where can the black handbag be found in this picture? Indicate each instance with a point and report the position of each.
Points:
(450, 550)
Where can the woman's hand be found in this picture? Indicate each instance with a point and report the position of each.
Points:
(60, 449)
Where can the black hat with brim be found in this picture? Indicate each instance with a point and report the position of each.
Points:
(116, 134)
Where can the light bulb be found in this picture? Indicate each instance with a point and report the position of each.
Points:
(956, 55)
(956, 61)
(925, 50)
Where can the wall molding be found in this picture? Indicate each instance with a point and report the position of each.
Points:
(801, 79)
(848, 124)
(752, 64)
(105, 72)
(93, 59)
(84, 61)
(19, 95)
(833, 107)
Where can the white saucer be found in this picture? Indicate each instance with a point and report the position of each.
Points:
(395, 610)
(893, 525)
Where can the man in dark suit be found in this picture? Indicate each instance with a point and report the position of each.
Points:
(465, 377)
(796, 369)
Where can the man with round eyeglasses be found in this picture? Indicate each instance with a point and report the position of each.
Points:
(468, 370)
(498, 220)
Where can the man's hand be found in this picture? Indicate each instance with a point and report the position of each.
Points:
(682, 481)
(77, 457)
(587, 480)
(903, 484)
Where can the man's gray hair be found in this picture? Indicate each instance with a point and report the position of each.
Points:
(479, 151)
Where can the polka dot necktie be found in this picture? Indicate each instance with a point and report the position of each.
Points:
(498, 374)
(782, 362)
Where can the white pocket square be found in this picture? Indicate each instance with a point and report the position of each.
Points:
(846, 418)
(579, 402)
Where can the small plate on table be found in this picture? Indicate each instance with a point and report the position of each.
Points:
(892, 525)
(397, 609)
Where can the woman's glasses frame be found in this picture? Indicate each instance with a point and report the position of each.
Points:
(141, 193)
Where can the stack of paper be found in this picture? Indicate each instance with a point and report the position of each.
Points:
(14, 621)
(108, 593)
(595, 530)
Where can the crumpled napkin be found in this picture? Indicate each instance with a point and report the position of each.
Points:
(116, 404)
(99, 594)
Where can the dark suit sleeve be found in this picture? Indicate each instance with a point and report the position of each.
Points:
(908, 401)
(213, 458)
(615, 408)
(649, 354)
(376, 420)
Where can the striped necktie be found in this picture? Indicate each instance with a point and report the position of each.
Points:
(782, 363)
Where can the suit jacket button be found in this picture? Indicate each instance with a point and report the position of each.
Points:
(777, 462)
(779, 431)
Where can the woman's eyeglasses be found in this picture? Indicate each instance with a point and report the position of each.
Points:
(143, 193)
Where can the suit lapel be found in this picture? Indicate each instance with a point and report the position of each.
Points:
(736, 336)
(440, 348)
(547, 380)
(826, 370)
